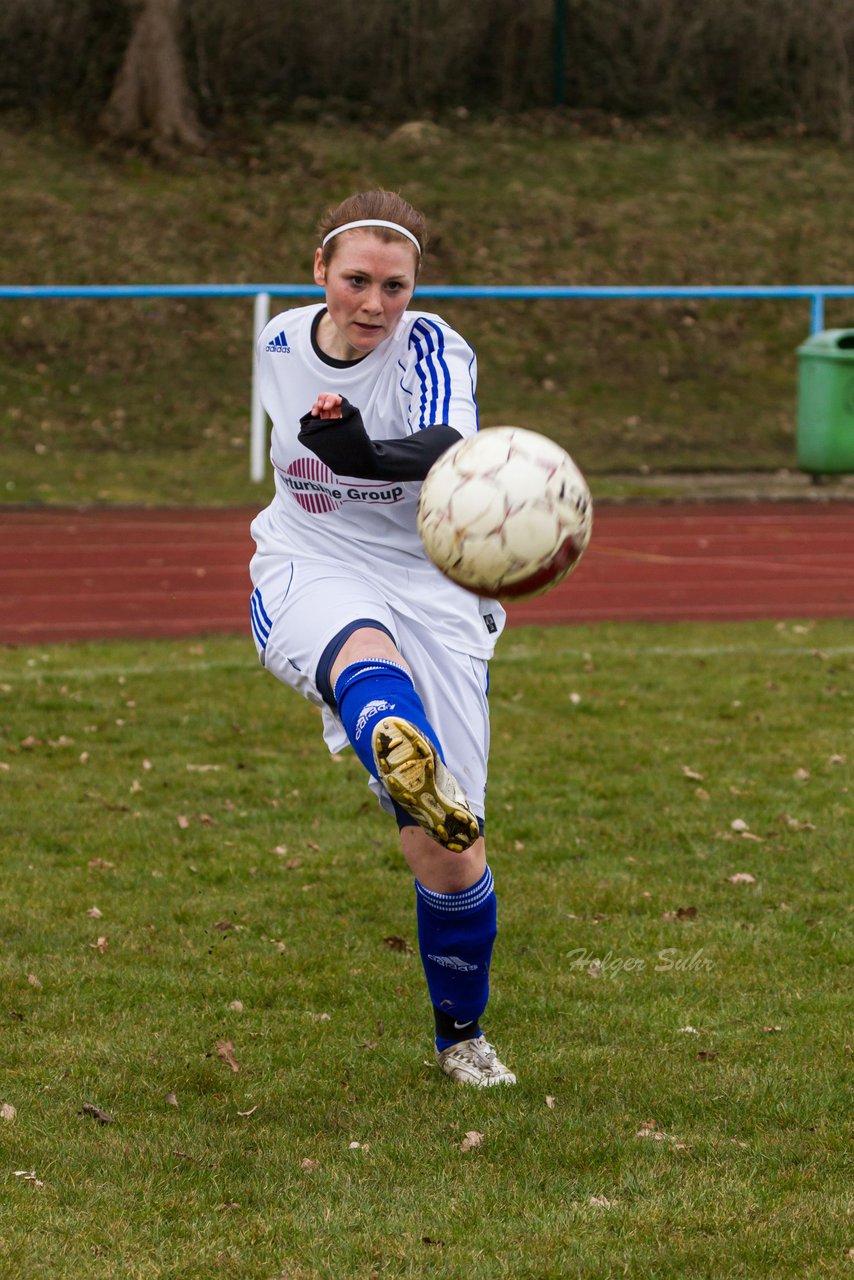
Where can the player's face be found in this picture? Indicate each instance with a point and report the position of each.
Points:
(368, 287)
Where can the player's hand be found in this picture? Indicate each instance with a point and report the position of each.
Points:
(327, 405)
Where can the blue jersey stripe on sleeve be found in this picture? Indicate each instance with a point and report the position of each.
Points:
(429, 347)
(415, 343)
(438, 342)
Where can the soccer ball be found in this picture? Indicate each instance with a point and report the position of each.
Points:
(505, 513)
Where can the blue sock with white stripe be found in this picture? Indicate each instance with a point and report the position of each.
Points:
(456, 932)
(374, 688)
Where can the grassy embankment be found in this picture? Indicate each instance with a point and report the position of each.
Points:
(148, 401)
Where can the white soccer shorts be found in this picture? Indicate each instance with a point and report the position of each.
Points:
(298, 607)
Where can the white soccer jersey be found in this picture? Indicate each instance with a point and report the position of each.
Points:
(422, 374)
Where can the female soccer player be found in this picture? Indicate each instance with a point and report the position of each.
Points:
(364, 395)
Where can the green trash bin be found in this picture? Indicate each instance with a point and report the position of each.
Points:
(825, 430)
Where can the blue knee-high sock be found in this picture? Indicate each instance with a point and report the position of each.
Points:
(372, 688)
(456, 932)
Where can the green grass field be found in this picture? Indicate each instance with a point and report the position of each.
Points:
(683, 1040)
(129, 401)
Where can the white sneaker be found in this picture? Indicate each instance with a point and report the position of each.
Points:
(413, 774)
(474, 1062)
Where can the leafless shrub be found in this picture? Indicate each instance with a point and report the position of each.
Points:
(732, 61)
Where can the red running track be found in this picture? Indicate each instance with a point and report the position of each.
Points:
(109, 574)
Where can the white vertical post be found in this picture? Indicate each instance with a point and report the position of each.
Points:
(258, 424)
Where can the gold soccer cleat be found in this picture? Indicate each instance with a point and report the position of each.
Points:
(414, 776)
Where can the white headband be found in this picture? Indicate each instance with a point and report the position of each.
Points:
(372, 222)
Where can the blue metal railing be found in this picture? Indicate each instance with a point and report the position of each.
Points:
(262, 293)
(817, 294)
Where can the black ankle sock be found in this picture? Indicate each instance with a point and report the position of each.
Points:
(450, 1030)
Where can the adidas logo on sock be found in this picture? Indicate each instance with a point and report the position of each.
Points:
(453, 962)
(279, 345)
(368, 712)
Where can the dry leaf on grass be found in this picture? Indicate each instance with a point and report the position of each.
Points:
(795, 825)
(742, 877)
(308, 1164)
(225, 1051)
(801, 775)
(681, 913)
(95, 1113)
(107, 804)
(171, 1100)
(471, 1140)
(691, 773)
(772, 1028)
(100, 864)
(183, 821)
(29, 1175)
(245, 1114)
(550, 1102)
(648, 1130)
(94, 914)
(7, 1111)
(602, 1202)
(359, 1146)
(236, 1006)
(395, 943)
(100, 946)
(34, 981)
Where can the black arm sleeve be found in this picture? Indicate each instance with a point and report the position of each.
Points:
(344, 445)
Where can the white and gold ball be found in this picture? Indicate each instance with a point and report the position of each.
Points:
(505, 513)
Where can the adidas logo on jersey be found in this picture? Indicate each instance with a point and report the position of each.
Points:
(370, 710)
(453, 962)
(279, 344)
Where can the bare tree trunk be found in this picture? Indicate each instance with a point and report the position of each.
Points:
(150, 100)
(845, 109)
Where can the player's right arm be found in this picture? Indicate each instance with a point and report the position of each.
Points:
(334, 431)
